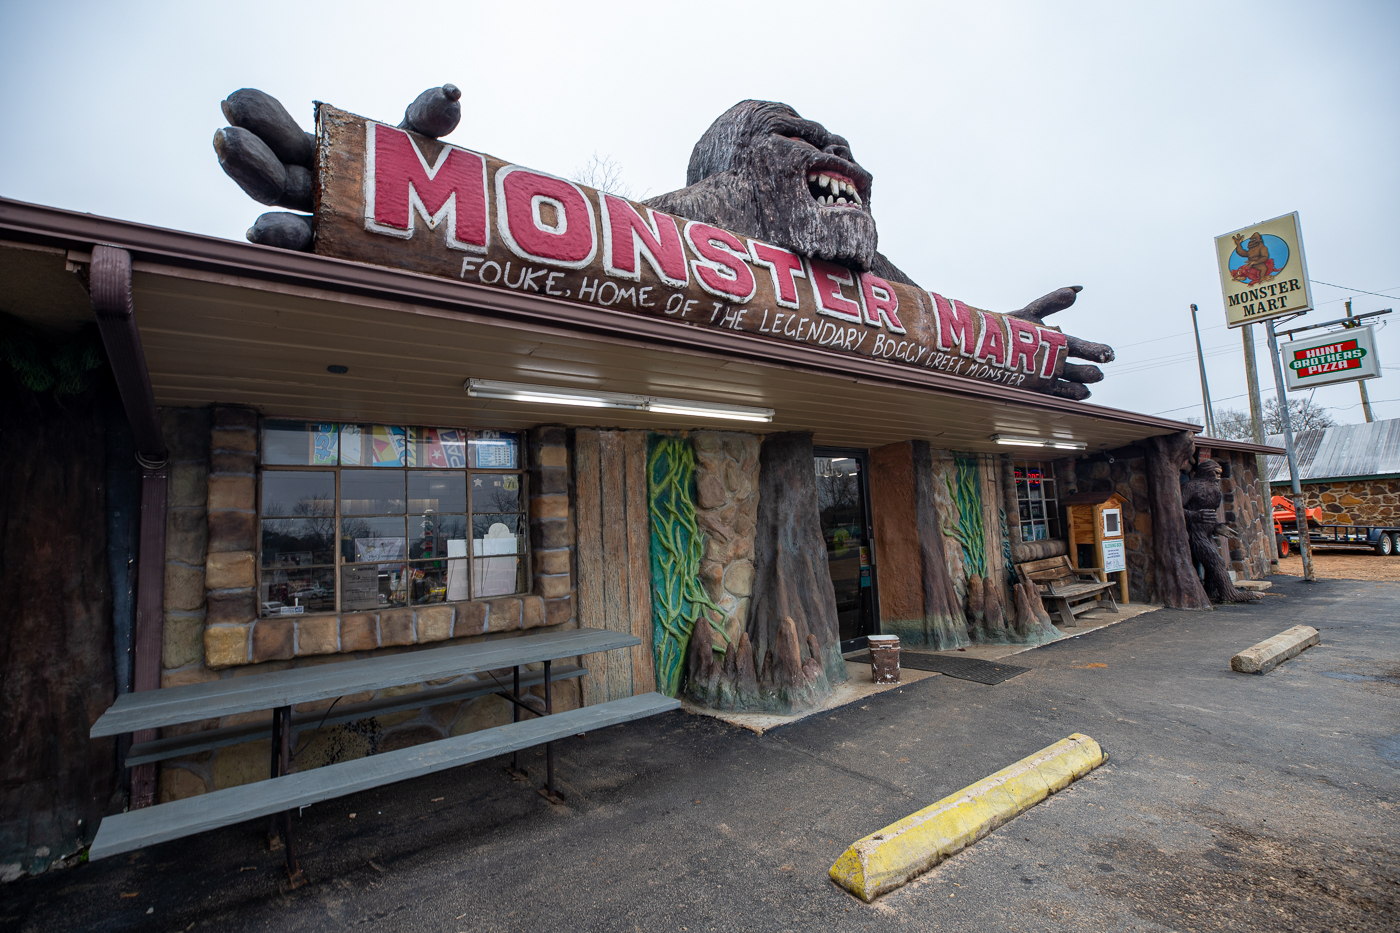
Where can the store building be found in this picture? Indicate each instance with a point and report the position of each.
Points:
(306, 458)
(1352, 471)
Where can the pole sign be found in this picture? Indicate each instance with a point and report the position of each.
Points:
(1341, 356)
(1263, 273)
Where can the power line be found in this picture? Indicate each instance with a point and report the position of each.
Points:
(1361, 290)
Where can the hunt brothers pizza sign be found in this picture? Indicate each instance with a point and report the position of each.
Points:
(392, 197)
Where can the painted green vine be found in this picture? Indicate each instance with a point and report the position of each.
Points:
(677, 546)
(968, 531)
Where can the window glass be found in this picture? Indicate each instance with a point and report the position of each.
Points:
(442, 491)
(373, 445)
(299, 443)
(495, 492)
(494, 450)
(298, 493)
(396, 516)
(371, 539)
(295, 591)
(372, 492)
(437, 447)
(297, 542)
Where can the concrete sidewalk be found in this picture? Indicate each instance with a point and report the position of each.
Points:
(1231, 802)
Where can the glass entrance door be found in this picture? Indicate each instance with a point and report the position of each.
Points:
(843, 504)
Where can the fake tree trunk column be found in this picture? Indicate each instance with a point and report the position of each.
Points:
(792, 624)
(1178, 587)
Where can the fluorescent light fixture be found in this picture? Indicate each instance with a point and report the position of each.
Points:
(676, 406)
(552, 395)
(593, 398)
(1054, 443)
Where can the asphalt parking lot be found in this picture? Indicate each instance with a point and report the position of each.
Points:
(1231, 802)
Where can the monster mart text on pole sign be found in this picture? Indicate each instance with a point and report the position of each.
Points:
(391, 197)
(1341, 356)
(1263, 273)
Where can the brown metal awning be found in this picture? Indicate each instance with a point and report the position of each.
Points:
(230, 322)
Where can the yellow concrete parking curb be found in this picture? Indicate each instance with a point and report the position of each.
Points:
(887, 859)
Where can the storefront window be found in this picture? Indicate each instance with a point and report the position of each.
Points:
(357, 517)
(1037, 501)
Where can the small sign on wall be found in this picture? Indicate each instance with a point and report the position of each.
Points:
(1113, 557)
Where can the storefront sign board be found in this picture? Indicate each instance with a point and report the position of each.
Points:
(1341, 356)
(1263, 273)
(394, 198)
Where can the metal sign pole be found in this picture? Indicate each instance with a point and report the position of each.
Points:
(1300, 514)
(1209, 423)
(1256, 426)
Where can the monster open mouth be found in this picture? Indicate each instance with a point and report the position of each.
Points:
(833, 189)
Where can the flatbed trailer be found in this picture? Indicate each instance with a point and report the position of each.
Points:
(1382, 539)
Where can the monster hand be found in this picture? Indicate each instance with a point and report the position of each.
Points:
(273, 159)
(1074, 379)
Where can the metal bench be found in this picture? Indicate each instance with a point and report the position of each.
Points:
(281, 690)
(1065, 588)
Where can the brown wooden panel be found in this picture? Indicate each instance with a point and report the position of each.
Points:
(639, 561)
(616, 610)
(588, 519)
(896, 533)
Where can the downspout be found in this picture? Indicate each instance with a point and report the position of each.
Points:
(109, 281)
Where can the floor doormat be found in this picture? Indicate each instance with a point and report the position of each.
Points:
(974, 669)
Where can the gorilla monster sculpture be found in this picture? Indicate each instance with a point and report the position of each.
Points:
(1201, 496)
(760, 171)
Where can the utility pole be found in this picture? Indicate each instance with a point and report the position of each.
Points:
(1300, 514)
(1209, 423)
(1256, 425)
(1365, 398)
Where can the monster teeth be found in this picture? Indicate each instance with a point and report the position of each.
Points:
(840, 200)
(856, 197)
(824, 180)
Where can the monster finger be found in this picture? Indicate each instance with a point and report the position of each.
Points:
(282, 230)
(1085, 350)
(1074, 372)
(435, 112)
(1046, 305)
(265, 116)
(252, 163)
(1071, 390)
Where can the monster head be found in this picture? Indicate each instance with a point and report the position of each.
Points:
(809, 193)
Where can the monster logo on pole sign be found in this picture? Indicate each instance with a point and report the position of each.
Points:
(1263, 273)
(773, 235)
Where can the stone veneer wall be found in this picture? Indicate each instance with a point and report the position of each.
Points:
(726, 499)
(211, 630)
(1351, 502)
(1245, 508)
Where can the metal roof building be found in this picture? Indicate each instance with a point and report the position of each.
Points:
(1342, 452)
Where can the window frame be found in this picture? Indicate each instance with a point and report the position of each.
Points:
(521, 470)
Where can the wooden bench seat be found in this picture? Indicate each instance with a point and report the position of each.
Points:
(1066, 590)
(170, 706)
(135, 829)
(190, 743)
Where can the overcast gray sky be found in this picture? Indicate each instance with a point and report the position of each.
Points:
(1016, 147)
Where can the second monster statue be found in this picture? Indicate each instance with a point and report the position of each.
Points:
(760, 171)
